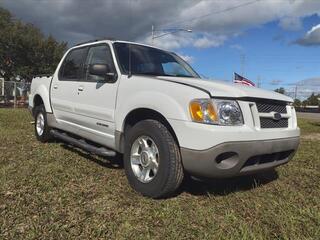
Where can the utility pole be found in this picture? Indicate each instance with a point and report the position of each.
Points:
(295, 92)
(258, 81)
(152, 33)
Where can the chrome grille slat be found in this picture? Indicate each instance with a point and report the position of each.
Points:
(271, 107)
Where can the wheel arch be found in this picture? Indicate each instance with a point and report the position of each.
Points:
(41, 92)
(137, 115)
(37, 101)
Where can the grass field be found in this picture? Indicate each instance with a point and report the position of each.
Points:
(51, 191)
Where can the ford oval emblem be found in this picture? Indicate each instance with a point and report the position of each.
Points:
(276, 116)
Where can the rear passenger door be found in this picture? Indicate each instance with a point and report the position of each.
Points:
(64, 88)
(96, 102)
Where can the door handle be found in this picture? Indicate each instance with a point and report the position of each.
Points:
(80, 89)
(55, 87)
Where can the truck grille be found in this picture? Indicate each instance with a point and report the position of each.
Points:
(271, 107)
(270, 123)
(266, 109)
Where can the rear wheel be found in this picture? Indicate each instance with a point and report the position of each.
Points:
(152, 159)
(42, 130)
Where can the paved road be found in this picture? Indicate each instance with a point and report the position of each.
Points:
(313, 116)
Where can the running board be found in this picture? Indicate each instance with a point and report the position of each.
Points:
(82, 144)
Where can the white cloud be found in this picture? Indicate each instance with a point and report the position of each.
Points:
(290, 23)
(237, 19)
(304, 88)
(212, 21)
(180, 40)
(209, 41)
(169, 41)
(311, 38)
(187, 58)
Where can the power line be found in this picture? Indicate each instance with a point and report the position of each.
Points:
(211, 13)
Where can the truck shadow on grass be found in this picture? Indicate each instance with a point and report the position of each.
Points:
(197, 187)
(316, 124)
(223, 187)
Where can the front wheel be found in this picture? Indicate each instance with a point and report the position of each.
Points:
(42, 130)
(152, 160)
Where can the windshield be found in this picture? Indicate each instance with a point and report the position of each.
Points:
(151, 61)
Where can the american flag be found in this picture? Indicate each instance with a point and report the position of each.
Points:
(242, 80)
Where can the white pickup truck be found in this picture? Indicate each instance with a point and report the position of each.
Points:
(111, 97)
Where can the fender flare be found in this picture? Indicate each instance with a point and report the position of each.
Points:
(167, 107)
(43, 92)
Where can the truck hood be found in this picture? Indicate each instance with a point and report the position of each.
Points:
(218, 88)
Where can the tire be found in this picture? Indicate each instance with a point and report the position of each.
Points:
(40, 117)
(169, 175)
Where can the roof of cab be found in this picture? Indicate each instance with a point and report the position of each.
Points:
(112, 40)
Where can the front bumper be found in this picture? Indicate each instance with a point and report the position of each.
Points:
(239, 158)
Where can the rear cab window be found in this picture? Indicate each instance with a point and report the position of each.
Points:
(72, 66)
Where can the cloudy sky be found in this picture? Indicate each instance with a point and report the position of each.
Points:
(276, 41)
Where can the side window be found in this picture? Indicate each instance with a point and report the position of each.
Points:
(71, 68)
(100, 54)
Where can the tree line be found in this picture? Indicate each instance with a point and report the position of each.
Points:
(25, 51)
(312, 100)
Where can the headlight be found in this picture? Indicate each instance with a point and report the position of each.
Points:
(216, 111)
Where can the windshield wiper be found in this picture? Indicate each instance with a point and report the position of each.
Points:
(153, 74)
(182, 75)
(161, 74)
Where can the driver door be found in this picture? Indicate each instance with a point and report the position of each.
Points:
(96, 101)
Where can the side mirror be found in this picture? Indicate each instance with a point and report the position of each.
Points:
(102, 70)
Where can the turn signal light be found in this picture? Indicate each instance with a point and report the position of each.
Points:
(203, 111)
(196, 111)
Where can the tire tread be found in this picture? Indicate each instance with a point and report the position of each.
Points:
(175, 171)
(46, 136)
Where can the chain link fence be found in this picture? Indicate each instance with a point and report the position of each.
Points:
(14, 94)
